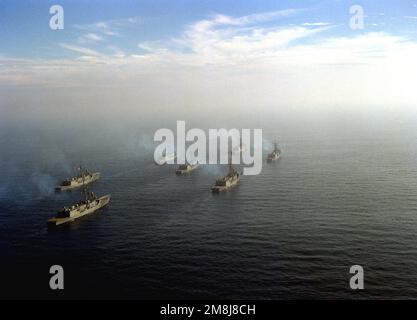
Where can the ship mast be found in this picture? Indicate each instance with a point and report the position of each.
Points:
(230, 164)
(85, 191)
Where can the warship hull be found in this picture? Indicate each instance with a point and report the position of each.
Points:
(78, 183)
(274, 155)
(102, 201)
(218, 189)
(185, 171)
(272, 158)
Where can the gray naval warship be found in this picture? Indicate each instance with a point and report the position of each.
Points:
(186, 168)
(84, 177)
(228, 181)
(275, 154)
(89, 204)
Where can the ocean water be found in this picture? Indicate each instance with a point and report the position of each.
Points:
(344, 193)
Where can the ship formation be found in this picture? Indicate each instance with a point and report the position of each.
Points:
(90, 203)
(233, 176)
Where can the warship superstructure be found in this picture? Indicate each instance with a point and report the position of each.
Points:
(84, 177)
(275, 154)
(228, 181)
(186, 168)
(89, 204)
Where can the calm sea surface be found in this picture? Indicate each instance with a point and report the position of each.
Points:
(343, 194)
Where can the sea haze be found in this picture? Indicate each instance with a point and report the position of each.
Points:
(344, 193)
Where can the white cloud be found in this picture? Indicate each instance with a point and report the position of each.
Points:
(316, 24)
(224, 20)
(82, 50)
(90, 37)
(109, 27)
(227, 40)
(243, 62)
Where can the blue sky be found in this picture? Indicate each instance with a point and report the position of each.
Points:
(24, 30)
(233, 54)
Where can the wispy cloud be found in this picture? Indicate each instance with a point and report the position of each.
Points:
(98, 32)
(219, 20)
(82, 50)
(90, 37)
(231, 40)
(109, 27)
(315, 24)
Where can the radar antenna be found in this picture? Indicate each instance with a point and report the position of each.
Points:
(230, 163)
